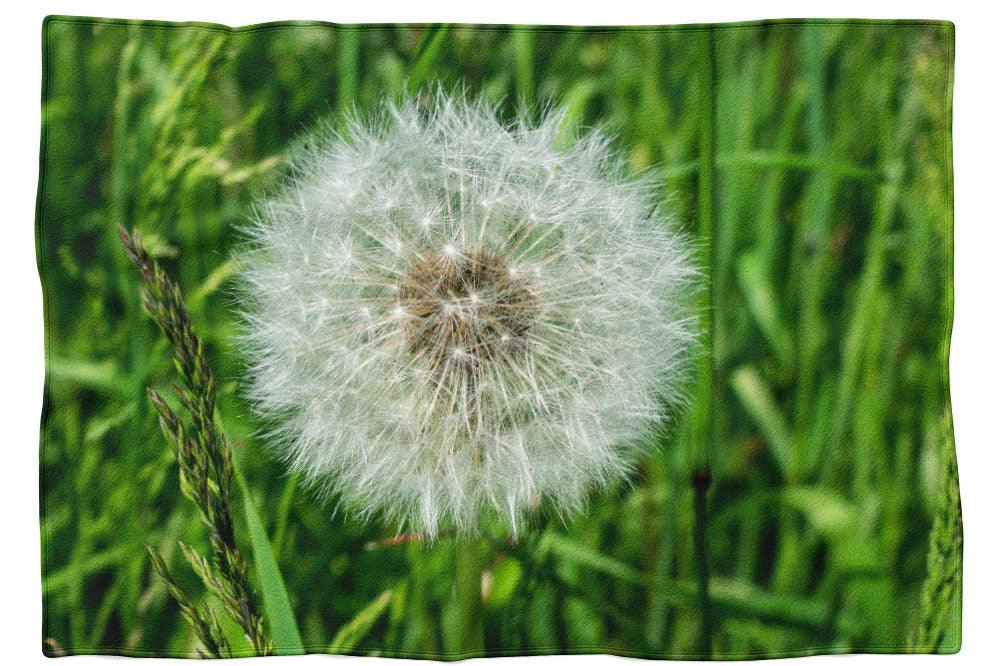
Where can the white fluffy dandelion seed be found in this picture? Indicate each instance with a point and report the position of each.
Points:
(451, 319)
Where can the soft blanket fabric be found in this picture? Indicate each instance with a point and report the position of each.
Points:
(445, 341)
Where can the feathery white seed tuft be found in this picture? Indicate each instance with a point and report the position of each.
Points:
(451, 319)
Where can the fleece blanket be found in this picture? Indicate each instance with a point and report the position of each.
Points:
(445, 341)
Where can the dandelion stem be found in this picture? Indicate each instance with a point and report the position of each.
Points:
(469, 597)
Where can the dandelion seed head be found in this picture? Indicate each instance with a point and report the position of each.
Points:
(451, 320)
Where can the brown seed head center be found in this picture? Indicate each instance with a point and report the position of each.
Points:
(465, 311)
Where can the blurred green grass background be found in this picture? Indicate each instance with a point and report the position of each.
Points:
(812, 159)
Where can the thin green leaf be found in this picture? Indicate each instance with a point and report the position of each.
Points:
(523, 41)
(97, 374)
(215, 279)
(762, 303)
(81, 568)
(576, 553)
(277, 608)
(756, 398)
(350, 634)
(428, 55)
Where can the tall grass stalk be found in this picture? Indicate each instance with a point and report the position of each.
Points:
(941, 600)
(206, 467)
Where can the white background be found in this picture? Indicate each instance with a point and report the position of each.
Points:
(975, 370)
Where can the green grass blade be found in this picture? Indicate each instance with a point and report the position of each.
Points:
(347, 68)
(212, 283)
(103, 375)
(578, 554)
(284, 631)
(77, 570)
(523, 41)
(762, 304)
(350, 634)
(574, 107)
(756, 398)
(428, 55)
